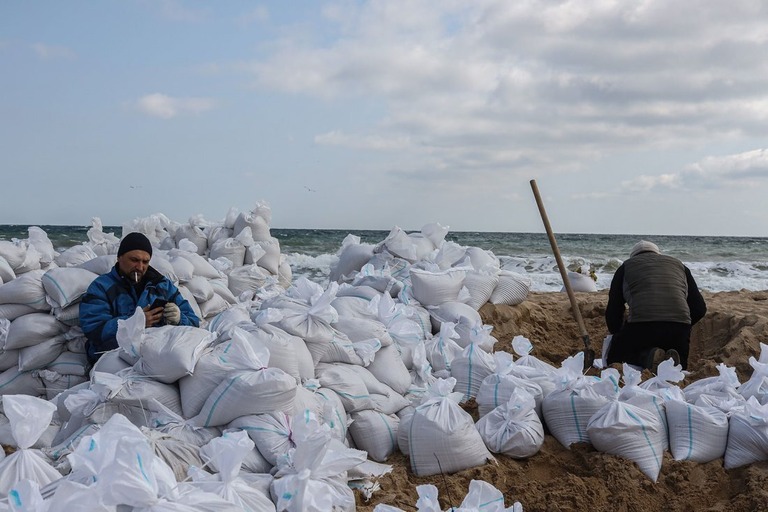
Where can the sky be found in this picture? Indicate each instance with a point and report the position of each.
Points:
(641, 117)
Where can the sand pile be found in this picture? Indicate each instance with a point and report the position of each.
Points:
(557, 479)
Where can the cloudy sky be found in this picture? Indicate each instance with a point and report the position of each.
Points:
(641, 117)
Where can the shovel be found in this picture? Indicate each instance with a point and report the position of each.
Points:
(589, 354)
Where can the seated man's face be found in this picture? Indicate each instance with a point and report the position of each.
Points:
(134, 264)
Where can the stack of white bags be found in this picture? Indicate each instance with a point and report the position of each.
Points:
(301, 391)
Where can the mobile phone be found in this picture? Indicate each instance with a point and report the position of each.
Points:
(158, 303)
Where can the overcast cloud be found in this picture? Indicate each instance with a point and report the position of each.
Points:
(644, 117)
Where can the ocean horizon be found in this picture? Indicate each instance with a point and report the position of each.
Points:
(718, 263)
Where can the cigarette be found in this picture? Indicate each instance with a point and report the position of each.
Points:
(136, 277)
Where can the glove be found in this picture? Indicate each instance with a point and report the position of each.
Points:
(172, 314)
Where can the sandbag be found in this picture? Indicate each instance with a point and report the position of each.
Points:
(513, 428)
(480, 284)
(100, 264)
(170, 352)
(512, 288)
(470, 368)
(350, 259)
(26, 289)
(696, 433)
(64, 286)
(247, 392)
(442, 437)
(747, 435)
(631, 432)
(75, 255)
(229, 248)
(375, 433)
(32, 329)
(435, 288)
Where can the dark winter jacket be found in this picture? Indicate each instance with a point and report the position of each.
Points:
(657, 288)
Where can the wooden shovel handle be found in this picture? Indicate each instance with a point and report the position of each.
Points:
(560, 265)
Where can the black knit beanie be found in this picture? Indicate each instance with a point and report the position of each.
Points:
(134, 241)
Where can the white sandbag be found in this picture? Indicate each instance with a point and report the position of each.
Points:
(340, 350)
(26, 289)
(257, 220)
(581, 283)
(248, 278)
(217, 232)
(201, 288)
(725, 385)
(69, 315)
(568, 409)
(696, 433)
(182, 268)
(221, 288)
(664, 384)
(313, 478)
(179, 455)
(225, 321)
(194, 234)
(56, 383)
(399, 244)
(453, 311)
(347, 384)
(15, 382)
(757, 384)
(372, 384)
(184, 292)
(442, 437)
(359, 329)
(100, 264)
(31, 261)
(170, 352)
(512, 289)
(129, 393)
(270, 260)
(230, 248)
(270, 432)
(435, 288)
(8, 358)
(350, 259)
(388, 367)
(375, 433)
(482, 259)
(284, 273)
(212, 307)
(32, 329)
(13, 252)
(442, 349)
(470, 369)
(747, 435)
(480, 284)
(110, 362)
(70, 363)
(498, 388)
(513, 428)
(247, 392)
(6, 271)
(14, 311)
(287, 352)
(64, 286)
(312, 324)
(29, 417)
(41, 354)
(201, 266)
(390, 403)
(226, 455)
(214, 364)
(353, 306)
(75, 256)
(631, 432)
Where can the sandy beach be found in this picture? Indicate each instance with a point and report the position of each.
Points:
(579, 479)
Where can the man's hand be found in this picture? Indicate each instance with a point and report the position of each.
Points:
(152, 316)
(172, 314)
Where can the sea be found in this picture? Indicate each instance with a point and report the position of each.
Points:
(717, 263)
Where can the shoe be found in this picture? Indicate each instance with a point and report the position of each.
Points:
(655, 357)
(672, 353)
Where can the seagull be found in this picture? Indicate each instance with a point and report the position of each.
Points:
(309, 189)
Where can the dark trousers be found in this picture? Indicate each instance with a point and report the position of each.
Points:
(634, 341)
